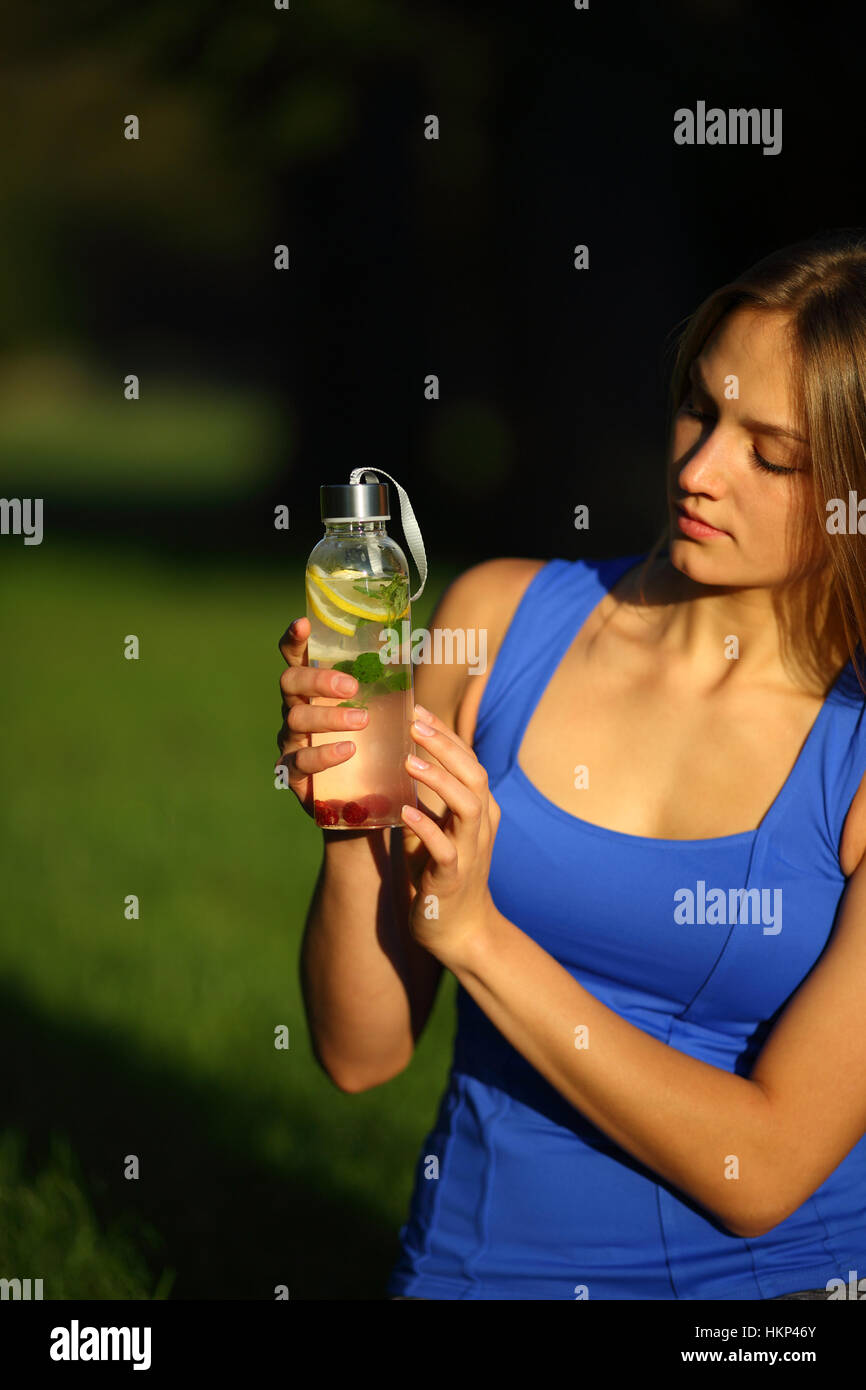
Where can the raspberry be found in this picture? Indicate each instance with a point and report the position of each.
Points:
(327, 812)
(354, 812)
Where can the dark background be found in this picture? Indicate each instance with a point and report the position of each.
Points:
(409, 256)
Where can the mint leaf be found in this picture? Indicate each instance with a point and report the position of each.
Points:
(367, 667)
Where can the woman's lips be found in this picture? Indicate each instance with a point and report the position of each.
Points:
(698, 530)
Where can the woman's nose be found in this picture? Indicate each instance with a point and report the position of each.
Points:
(703, 468)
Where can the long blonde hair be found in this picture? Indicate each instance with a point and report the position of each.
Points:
(820, 283)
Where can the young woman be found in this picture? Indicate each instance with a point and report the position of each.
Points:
(644, 826)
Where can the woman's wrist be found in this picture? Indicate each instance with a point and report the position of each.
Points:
(348, 851)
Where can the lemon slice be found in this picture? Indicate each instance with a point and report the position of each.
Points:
(326, 613)
(358, 606)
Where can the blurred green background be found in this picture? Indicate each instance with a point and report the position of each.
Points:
(156, 1037)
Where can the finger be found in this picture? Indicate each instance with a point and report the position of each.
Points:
(440, 726)
(302, 682)
(315, 719)
(426, 804)
(293, 645)
(321, 719)
(453, 754)
(461, 800)
(440, 846)
(302, 762)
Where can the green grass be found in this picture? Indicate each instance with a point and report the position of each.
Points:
(154, 1038)
(67, 429)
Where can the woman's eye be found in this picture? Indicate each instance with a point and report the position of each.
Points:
(764, 464)
(688, 407)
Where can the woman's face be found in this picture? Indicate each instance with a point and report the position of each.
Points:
(722, 449)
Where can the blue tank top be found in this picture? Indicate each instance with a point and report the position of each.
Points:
(530, 1200)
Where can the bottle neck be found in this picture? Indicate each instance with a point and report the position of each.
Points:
(354, 528)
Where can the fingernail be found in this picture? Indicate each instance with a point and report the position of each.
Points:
(423, 728)
(410, 813)
(417, 762)
(344, 747)
(344, 684)
(356, 717)
(424, 713)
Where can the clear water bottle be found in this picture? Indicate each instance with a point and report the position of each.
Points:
(358, 604)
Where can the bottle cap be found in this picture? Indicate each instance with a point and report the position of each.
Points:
(367, 501)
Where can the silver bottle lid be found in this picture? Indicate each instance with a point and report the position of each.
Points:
(367, 501)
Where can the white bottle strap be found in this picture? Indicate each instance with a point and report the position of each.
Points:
(411, 529)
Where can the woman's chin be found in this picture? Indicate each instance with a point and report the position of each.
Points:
(692, 560)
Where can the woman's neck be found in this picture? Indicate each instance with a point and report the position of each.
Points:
(794, 636)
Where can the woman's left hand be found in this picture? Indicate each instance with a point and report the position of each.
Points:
(458, 849)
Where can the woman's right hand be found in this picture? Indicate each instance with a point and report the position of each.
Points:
(298, 683)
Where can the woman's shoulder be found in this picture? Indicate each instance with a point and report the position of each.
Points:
(479, 600)
(491, 584)
(484, 599)
(497, 586)
(486, 596)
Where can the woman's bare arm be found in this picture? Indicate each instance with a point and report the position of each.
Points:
(368, 987)
(367, 992)
(788, 1125)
